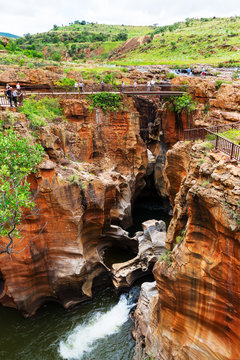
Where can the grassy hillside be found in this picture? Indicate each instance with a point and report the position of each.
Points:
(78, 41)
(211, 41)
(207, 40)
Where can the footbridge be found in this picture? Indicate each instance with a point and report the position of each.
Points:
(161, 90)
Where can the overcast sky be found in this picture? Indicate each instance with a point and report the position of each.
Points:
(31, 16)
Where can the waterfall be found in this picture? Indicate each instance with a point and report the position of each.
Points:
(83, 339)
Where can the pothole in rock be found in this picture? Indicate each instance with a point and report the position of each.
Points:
(115, 255)
(114, 252)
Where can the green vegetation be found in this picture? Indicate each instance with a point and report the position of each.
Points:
(18, 158)
(205, 183)
(179, 238)
(207, 146)
(105, 101)
(219, 83)
(234, 214)
(77, 39)
(166, 257)
(65, 83)
(170, 75)
(182, 103)
(233, 135)
(74, 180)
(196, 41)
(39, 112)
(8, 118)
(210, 137)
(206, 109)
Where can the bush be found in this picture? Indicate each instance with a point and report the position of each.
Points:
(65, 83)
(56, 56)
(166, 257)
(233, 135)
(235, 75)
(105, 101)
(18, 158)
(120, 37)
(182, 103)
(39, 112)
(170, 75)
(218, 84)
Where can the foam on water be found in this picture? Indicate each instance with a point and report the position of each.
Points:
(83, 338)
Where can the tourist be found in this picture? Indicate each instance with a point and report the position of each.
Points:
(103, 85)
(80, 84)
(18, 87)
(76, 86)
(148, 86)
(7, 86)
(14, 97)
(20, 97)
(9, 95)
(152, 83)
(135, 85)
(123, 86)
(189, 71)
(203, 72)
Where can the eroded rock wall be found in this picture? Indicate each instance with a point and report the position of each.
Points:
(94, 163)
(219, 101)
(196, 312)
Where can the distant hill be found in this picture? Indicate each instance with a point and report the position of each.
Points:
(9, 35)
(213, 41)
(80, 41)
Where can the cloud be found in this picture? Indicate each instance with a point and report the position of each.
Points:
(31, 16)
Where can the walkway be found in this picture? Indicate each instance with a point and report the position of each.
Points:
(220, 143)
(129, 90)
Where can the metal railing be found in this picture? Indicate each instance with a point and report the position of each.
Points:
(220, 142)
(107, 87)
(4, 100)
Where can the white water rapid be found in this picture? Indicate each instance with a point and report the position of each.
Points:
(83, 338)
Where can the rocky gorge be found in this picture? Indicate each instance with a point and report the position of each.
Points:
(96, 168)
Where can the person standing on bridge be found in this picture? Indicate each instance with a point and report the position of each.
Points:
(152, 84)
(76, 86)
(135, 85)
(103, 85)
(80, 84)
(148, 86)
(14, 97)
(9, 95)
(123, 86)
(18, 86)
(20, 97)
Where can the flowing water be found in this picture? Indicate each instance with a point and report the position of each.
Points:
(98, 330)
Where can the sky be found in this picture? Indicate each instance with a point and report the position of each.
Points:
(33, 16)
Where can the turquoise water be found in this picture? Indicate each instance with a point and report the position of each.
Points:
(97, 330)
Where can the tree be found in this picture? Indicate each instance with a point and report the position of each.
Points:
(18, 158)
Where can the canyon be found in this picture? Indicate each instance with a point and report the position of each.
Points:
(96, 168)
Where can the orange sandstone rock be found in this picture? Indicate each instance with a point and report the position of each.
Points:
(196, 313)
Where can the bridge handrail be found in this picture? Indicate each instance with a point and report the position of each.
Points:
(221, 143)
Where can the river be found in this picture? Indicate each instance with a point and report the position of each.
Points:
(96, 330)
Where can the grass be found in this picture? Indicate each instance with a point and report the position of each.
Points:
(232, 135)
(202, 42)
(40, 112)
(212, 41)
